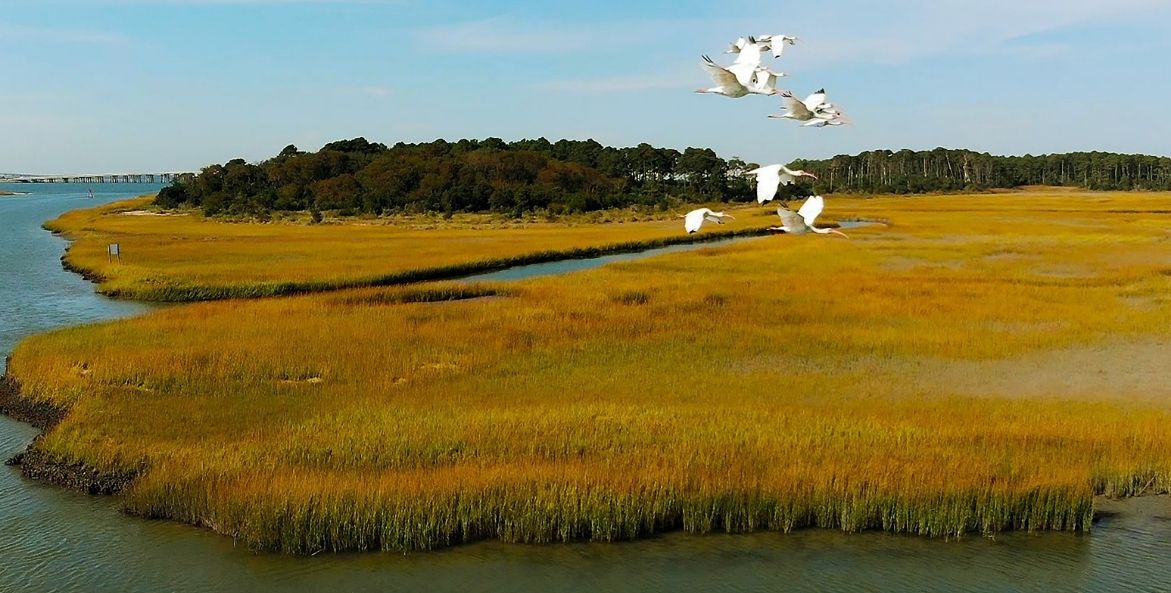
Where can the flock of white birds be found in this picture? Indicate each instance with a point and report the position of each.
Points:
(748, 75)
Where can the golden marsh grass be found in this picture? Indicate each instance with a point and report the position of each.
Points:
(774, 383)
(186, 257)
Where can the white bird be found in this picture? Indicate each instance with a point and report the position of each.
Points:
(747, 64)
(794, 109)
(815, 99)
(801, 221)
(814, 107)
(821, 123)
(737, 46)
(770, 177)
(823, 109)
(747, 69)
(751, 51)
(778, 42)
(727, 83)
(764, 82)
(695, 219)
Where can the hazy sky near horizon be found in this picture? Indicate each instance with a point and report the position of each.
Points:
(153, 85)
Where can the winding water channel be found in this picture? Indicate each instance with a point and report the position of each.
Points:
(57, 540)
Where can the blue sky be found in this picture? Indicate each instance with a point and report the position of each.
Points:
(121, 85)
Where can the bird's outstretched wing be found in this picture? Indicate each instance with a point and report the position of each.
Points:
(720, 75)
(750, 54)
(764, 81)
(693, 220)
(791, 221)
(811, 209)
(767, 180)
(745, 75)
(814, 100)
(795, 107)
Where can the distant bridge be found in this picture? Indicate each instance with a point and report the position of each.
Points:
(96, 178)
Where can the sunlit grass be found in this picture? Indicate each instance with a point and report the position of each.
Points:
(186, 257)
(775, 383)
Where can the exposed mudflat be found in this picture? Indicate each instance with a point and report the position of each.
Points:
(1134, 371)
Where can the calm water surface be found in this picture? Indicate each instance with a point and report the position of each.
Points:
(55, 540)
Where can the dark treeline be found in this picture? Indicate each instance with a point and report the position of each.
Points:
(907, 171)
(356, 176)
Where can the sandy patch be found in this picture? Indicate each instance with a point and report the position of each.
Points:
(150, 213)
(1134, 512)
(309, 381)
(1136, 371)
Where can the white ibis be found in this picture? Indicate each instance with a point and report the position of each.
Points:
(695, 219)
(727, 83)
(771, 177)
(801, 221)
(814, 107)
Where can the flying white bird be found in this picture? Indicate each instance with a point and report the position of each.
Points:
(737, 46)
(823, 109)
(769, 178)
(776, 43)
(695, 219)
(801, 221)
(814, 107)
(794, 109)
(748, 71)
(821, 123)
(727, 82)
(750, 52)
(748, 65)
(764, 82)
(734, 47)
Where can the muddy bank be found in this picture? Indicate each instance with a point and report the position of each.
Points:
(1155, 507)
(41, 415)
(44, 467)
(39, 465)
(92, 276)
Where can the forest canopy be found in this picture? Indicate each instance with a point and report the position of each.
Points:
(360, 177)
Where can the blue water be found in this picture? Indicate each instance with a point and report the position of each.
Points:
(55, 540)
(556, 268)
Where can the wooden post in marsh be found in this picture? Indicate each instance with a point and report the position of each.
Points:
(113, 250)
